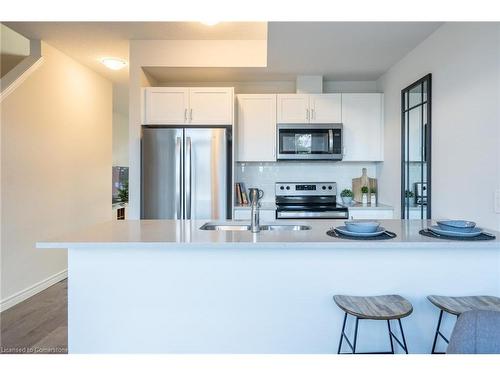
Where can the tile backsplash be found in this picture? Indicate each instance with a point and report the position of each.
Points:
(265, 175)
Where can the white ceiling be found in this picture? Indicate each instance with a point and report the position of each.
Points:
(354, 51)
(89, 42)
(342, 50)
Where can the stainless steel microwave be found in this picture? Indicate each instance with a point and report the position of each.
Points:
(309, 142)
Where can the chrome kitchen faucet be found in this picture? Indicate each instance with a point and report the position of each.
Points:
(255, 196)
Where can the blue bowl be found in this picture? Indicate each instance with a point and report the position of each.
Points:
(461, 226)
(362, 226)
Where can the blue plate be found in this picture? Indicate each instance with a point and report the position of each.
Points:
(473, 233)
(342, 229)
(456, 225)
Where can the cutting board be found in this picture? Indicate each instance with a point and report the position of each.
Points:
(358, 183)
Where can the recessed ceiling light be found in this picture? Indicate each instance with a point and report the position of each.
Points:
(209, 22)
(113, 63)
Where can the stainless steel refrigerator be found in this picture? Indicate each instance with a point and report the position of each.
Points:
(186, 173)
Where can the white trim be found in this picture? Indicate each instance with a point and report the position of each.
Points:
(14, 299)
(34, 66)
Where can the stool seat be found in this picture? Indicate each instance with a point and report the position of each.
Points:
(459, 305)
(386, 307)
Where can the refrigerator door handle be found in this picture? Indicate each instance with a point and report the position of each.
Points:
(178, 160)
(188, 178)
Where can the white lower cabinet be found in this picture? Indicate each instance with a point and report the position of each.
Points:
(244, 214)
(375, 214)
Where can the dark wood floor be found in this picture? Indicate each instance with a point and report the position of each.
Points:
(37, 325)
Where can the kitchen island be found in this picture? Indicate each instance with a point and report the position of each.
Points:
(166, 286)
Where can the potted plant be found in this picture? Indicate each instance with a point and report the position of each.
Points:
(373, 196)
(123, 193)
(346, 196)
(364, 192)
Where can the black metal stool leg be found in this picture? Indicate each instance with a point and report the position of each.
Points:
(437, 333)
(355, 336)
(403, 336)
(342, 334)
(352, 345)
(390, 336)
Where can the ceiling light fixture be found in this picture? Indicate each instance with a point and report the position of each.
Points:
(113, 63)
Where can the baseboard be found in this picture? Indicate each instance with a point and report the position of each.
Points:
(14, 299)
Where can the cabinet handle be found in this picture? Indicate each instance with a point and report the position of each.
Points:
(191, 114)
(185, 114)
(313, 114)
(307, 114)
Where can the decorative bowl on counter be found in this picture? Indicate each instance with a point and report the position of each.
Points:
(461, 226)
(362, 226)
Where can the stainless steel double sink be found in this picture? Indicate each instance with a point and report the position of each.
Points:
(246, 227)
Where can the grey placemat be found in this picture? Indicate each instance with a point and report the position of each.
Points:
(481, 237)
(384, 236)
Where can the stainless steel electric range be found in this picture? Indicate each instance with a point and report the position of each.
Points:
(308, 200)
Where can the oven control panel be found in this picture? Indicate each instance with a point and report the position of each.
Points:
(305, 188)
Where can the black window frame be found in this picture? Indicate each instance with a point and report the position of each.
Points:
(426, 151)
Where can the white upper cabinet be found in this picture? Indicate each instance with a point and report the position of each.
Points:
(256, 127)
(363, 131)
(166, 105)
(293, 108)
(325, 108)
(182, 105)
(211, 106)
(309, 108)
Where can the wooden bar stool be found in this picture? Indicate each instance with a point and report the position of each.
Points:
(458, 305)
(388, 307)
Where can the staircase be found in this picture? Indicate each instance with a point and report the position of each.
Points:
(19, 58)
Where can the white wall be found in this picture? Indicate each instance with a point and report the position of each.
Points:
(465, 65)
(120, 139)
(242, 87)
(120, 125)
(55, 166)
(278, 87)
(350, 86)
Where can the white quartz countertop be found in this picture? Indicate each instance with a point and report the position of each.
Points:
(170, 234)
